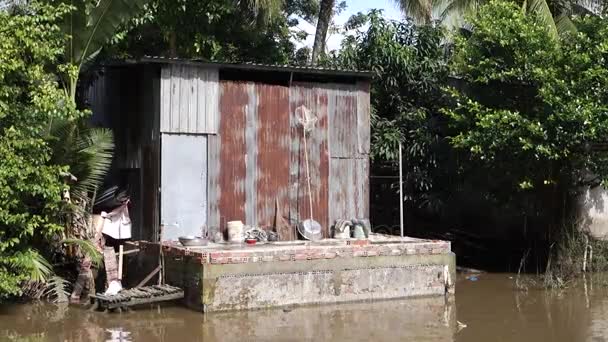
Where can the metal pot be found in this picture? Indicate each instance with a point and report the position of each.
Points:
(193, 241)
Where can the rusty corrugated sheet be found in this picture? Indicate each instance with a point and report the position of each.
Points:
(343, 121)
(363, 118)
(230, 190)
(349, 188)
(251, 154)
(258, 155)
(314, 97)
(189, 96)
(273, 144)
(349, 163)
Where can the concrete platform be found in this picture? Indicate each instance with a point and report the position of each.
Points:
(222, 277)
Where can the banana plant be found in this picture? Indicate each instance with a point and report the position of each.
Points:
(89, 26)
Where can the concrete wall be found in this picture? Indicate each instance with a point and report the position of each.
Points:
(265, 285)
(244, 286)
(593, 212)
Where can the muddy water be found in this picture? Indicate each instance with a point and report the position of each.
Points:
(490, 307)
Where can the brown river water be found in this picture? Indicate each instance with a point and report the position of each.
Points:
(486, 309)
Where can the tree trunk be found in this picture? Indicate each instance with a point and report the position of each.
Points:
(172, 44)
(325, 13)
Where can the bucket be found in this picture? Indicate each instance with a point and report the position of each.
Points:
(235, 231)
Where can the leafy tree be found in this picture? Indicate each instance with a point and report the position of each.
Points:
(216, 30)
(31, 45)
(88, 26)
(410, 66)
(543, 105)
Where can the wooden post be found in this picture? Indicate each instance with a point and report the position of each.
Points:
(120, 257)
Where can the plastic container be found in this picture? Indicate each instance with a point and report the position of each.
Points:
(235, 231)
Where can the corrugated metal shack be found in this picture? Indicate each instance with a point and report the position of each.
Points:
(200, 144)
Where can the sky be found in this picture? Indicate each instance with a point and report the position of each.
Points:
(353, 7)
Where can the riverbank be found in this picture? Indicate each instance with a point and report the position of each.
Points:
(489, 305)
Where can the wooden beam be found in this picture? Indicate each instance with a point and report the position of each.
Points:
(149, 276)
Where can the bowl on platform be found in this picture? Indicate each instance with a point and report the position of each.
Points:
(193, 241)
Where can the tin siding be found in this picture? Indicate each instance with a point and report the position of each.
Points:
(350, 140)
(258, 155)
(230, 194)
(273, 141)
(127, 100)
(189, 99)
(213, 185)
(314, 97)
(363, 119)
(184, 185)
(251, 170)
(343, 121)
(349, 194)
(150, 172)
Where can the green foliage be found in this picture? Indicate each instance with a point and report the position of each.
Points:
(88, 152)
(545, 108)
(89, 25)
(87, 248)
(218, 30)
(554, 15)
(409, 66)
(31, 43)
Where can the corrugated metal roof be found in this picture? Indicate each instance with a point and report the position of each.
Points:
(260, 67)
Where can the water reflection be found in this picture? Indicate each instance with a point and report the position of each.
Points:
(490, 307)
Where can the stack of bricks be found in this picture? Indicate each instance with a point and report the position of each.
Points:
(217, 254)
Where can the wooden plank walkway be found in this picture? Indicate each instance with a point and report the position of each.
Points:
(138, 296)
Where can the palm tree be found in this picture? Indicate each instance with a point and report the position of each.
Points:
(555, 14)
(421, 11)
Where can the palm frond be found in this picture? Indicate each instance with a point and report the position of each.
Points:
(541, 10)
(87, 151)
(459, 8)
(38, 267)
(57, 290)
(87, 248)
(421, 11)
(564, 24)
(94, 150)
(589, 7)
(91, 25)
(267, 9)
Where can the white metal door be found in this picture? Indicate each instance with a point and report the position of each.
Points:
(183, 185)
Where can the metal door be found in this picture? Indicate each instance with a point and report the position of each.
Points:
(183, 185)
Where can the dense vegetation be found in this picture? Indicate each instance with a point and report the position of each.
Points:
(30, 99)
(502, 128)
(505, 118)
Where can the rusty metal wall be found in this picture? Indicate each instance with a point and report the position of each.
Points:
(189, 102)
(314, 97)
(227, 158)
(349, 132)
(273, 140)
(258, 156)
